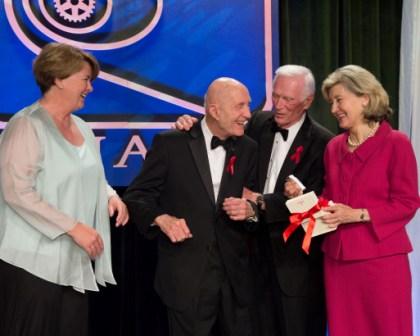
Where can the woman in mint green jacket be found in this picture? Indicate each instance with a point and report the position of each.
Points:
(54, 204)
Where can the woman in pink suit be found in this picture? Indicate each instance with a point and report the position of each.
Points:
(371, 176)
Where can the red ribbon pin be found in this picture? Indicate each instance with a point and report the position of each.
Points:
(295, 157)
(231, 165)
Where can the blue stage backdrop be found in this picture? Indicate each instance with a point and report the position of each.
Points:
(157, 59)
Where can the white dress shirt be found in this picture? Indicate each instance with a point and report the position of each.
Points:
(278, 155)
(216, 158)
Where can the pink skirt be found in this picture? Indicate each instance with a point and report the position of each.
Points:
(369, 297)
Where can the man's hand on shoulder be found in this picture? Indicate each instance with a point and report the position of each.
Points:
(175, 228)
(185, 122)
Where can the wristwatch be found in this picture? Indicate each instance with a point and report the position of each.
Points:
(260, 202)
(254, 216)
(362, 215)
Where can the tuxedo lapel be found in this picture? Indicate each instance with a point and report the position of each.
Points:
(296, 153)
(199, 153)
(265, 148)
(224, 184)
(227, 176)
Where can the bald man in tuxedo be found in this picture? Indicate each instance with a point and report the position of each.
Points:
(188, 194)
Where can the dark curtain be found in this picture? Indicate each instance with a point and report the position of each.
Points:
(321, 35)
(326, 34)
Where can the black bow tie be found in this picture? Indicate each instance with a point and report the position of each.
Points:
(284, 132)
(227, 144)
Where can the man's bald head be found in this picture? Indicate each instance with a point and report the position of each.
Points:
(219, 90)
(227, 107)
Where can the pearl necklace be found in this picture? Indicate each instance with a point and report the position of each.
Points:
(355, 143)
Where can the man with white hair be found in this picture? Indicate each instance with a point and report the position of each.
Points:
(289, 142)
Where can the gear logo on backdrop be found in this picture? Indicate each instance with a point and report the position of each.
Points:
(196, 38)
(75, 11)
(157, 59)
(97, 26)
(89, 24)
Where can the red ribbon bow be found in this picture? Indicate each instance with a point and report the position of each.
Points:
(296, 220)
(295, 157)
(231, 165)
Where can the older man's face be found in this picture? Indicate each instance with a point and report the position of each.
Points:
(234, 112)
(289, 103)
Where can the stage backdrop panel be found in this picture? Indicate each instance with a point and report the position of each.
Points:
(157, 59)
(409, 121)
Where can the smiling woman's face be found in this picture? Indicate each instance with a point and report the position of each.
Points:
(346, 106)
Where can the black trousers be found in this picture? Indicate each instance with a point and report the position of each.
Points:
(299, 315)
(215, 310)
(30, 306)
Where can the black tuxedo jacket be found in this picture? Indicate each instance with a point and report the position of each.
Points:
(175, 179)
(294, 269)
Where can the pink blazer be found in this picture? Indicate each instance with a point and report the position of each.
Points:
(381, 176)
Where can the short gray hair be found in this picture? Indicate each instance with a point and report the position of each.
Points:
(292, 70)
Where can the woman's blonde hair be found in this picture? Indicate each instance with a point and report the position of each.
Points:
(361, 82)
(59, 61)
